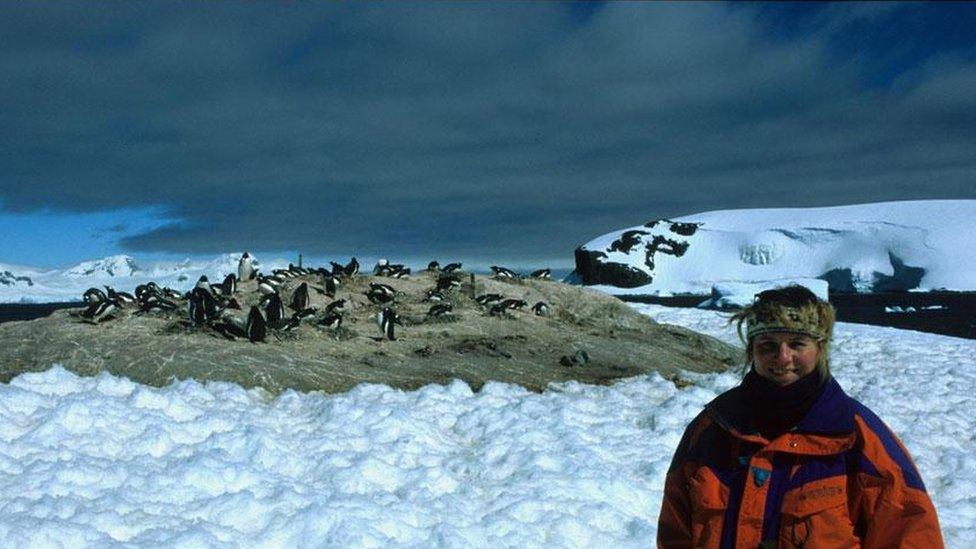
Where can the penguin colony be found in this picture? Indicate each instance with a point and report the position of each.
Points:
(251, 305)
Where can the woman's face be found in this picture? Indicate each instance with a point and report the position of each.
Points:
(784, 357)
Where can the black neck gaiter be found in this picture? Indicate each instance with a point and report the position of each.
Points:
(778, 409)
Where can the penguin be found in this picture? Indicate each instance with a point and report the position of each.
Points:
(256, 328)
(446, 283)
(433, 266)
(141, 291)
(541, 309)
(265, 287)
(382, 267)
(337, 268)
(337, 306)
(502, 306)
(274, 311)
(94, 295)
(155, 304)
(282, 273)
(451, 267)
(122, 298)
(380, 293)
(384, 288)
(202, 306)
(502, 272)
(170, 293)
(300, 300)
(440, 309)
(302, 314)
(399, 271)
(331, 283)
(544, 274)
(229, 286)
(513, 303)
(204, 284)
(352, 268)
(386, 319)
(485, 299)
(100, 311)
(245, 268)
(378, 296)
(434, 295)
(332, 320)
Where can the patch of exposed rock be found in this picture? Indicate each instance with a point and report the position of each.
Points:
(587, 336)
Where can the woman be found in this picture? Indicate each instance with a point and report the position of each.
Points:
(787, 459)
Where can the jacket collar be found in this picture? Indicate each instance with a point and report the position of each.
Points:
(831, 415)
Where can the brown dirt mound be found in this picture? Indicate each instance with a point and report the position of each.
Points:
(588, 337)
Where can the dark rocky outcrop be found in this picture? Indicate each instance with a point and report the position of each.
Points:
(593, 270)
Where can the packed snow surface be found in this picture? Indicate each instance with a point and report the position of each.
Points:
(920, 245)
(102, 461)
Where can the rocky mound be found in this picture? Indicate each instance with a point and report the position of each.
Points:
(586, 336)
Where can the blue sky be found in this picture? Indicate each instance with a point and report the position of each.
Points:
(461, 131)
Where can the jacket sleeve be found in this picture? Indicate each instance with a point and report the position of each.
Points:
(894, 510)
(674, 522)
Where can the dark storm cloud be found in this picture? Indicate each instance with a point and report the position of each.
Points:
(512, 129)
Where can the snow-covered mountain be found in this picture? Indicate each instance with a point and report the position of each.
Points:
(913, 245)
(30, 285)
(109, 267)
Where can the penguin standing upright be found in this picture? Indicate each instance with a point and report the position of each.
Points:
(230, 284)
(386, 319)
(256, 328)
(245, 268)
(275, 310)
(202, 306)
(330, 285)
(351, 269)
(300, 300)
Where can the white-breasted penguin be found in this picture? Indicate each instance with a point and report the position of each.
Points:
(541, 308)
(541, 273)
(331, 283)
(502, 272)
(440, 309)
(332, 320)
(385, 320)
(202, 306)
(99, 311)
(94, 295)
(230, 284)
(245, 268)
(122, 298)
(336, 306)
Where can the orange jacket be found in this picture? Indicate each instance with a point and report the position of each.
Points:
(840, 479)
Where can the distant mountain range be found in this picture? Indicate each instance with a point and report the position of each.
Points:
(892, 246)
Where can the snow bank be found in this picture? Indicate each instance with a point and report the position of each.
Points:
(100, 461)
